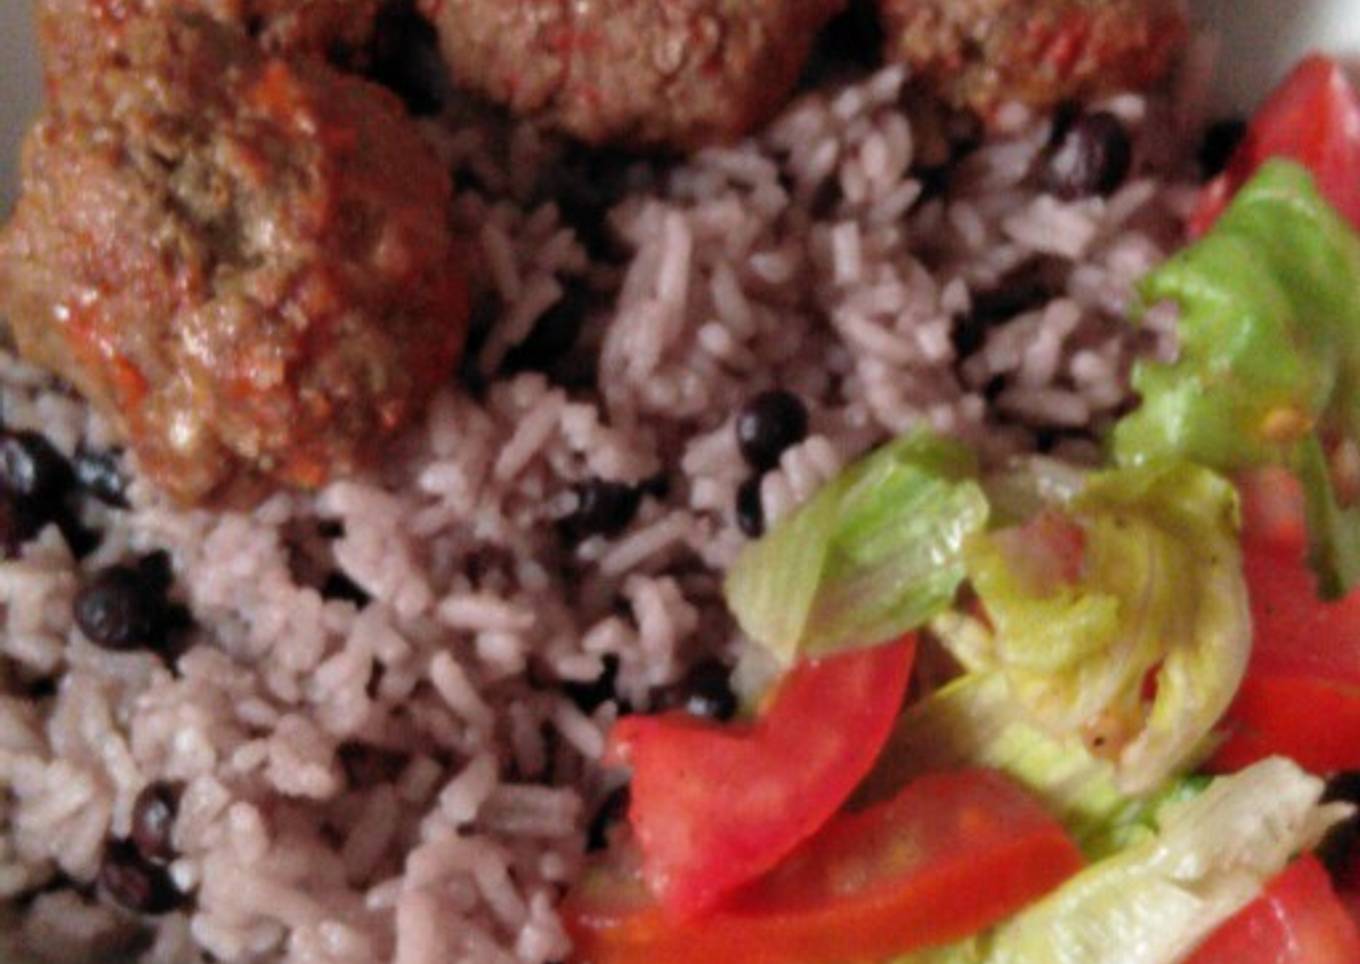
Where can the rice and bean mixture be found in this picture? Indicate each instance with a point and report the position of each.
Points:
(367, 724)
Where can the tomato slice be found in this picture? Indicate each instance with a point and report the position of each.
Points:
(950, 855)
(714, 807)
(1273, 510)
(1296, 633)
(1314, 722)
(1313, 117)
(1301, 694)
(1298, 920)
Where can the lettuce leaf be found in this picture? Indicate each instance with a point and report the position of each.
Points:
(875, 553)
(976, 721)
(1157, 595)
(1028, 484)
(1269, 362)
(1156, 900)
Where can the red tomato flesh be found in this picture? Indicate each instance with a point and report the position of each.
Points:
(1296, 634)
(1273, 510)
(950, 855)
(1313, 118)
(1314, 722)
(1301, 694)
(1298, 920)
(714, 807)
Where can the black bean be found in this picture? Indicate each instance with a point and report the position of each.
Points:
(968, 334)
(1093, 157)
(1065, 114)
(340, 586)
(157, 569)
(406, 58)
(18, 524)
(176, 619)
(991, 308)
(769, 424)
(80, 538)
(31, 468)
(750, 513)
(119, 610)
(611, 810)
(589, 695)
(135, 883)
(1015, 298)
(100, 474)
(553, 335)
(603, 508)
(706, 691)
(35, 479)
(153, 821)
(1221, 140)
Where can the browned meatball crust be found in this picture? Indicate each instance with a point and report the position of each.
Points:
(338, 28)
(641, 72)
(982, 53)
(245, 261)
(83, 32)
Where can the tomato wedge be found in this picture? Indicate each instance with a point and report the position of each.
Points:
(1315, 722)
(1298, 920)
(1301, 694)
(948, 856)
(713, 807)
(1273, 511)
(1313, 118)
(1296, 633)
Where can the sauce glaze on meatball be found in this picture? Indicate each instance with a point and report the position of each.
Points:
(244, 260)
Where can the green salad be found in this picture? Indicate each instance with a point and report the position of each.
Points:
(1036, 713)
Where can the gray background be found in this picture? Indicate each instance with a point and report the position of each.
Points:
(19, 89)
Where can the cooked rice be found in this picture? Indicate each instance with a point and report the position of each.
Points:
(808, 257)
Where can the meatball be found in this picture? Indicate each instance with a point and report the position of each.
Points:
(682, 73)
(981, 53)
(245, 261)
(336, 28)
(75, 31)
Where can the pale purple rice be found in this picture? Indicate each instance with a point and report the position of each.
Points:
(808, 258)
